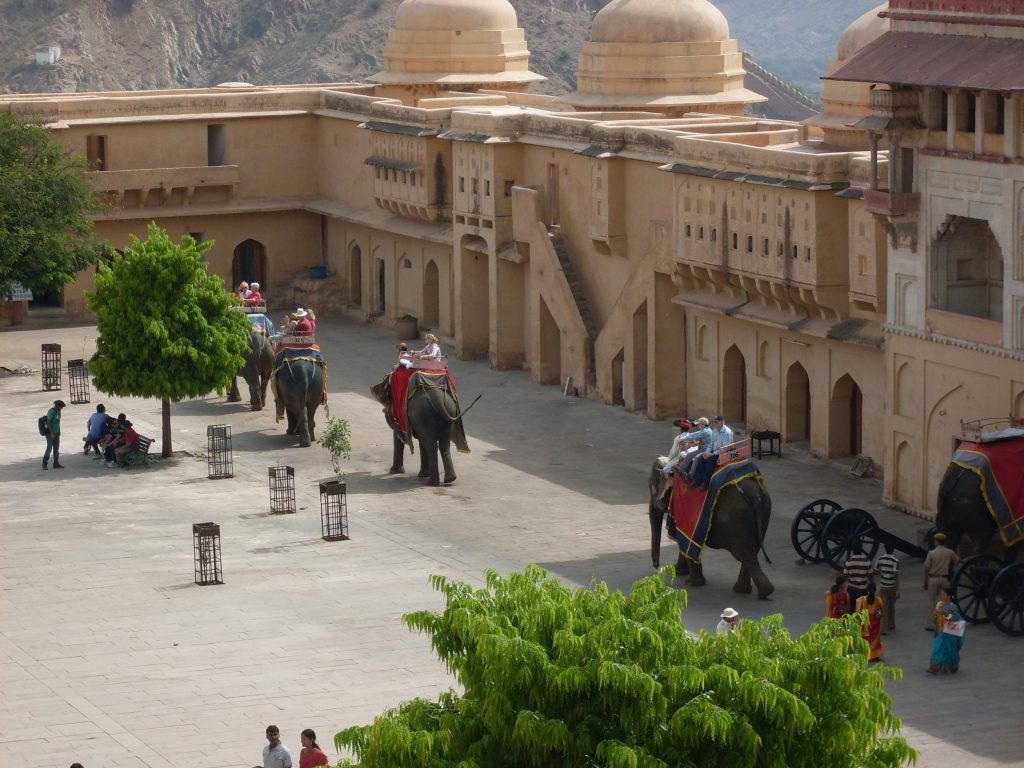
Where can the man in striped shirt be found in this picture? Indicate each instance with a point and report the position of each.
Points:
(887, 567)
(858, 573)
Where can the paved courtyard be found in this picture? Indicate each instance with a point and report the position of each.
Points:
(111, 656)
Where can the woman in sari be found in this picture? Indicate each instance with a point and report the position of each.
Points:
(871, 626)
(837, 600)
(947, 644)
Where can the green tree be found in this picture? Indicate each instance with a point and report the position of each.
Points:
(45, 207)
(582, 677)
(166, 328)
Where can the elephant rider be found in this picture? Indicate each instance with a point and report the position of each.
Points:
(302, 325)
(707, 459)
(685, 447)
(255, 298)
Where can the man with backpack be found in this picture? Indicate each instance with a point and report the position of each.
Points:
(52, 434)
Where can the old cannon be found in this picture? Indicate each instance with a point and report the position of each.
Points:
(824, 532)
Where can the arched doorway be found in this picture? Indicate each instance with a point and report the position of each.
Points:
(355, 275)
(845, 419)
(734, 386)
(249, 263)
(431, 296)
(798, 405)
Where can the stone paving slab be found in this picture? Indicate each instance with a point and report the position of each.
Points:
(111, 656)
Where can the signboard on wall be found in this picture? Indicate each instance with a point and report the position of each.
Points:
(18, 292)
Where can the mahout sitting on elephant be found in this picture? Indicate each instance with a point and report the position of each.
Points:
(422, 405)
(258, 367)
(740, 514)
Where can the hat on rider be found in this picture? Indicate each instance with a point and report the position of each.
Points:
(730, 613)
(719, 418)
(683, 424)
(300, 312)
(702, 421)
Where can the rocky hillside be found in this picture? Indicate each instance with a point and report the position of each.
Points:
(137, 44)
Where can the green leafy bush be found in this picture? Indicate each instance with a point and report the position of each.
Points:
(335, 438)
(554, 676)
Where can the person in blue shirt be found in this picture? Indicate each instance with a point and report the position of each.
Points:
(707, 459)
(96, 424)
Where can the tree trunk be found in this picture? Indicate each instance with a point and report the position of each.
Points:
(165, 427)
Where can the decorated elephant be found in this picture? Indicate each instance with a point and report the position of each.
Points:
(980, 505)
(422, 406)
(300, 385)
(740, 519)
(259, 365)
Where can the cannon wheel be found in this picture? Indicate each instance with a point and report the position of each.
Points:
(806, 529)
(1006, 600)
(972, 585)
(843, 530)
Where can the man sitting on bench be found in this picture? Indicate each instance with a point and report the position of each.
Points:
(706, 462)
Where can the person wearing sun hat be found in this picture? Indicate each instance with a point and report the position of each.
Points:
(53, 434)
(730, 621)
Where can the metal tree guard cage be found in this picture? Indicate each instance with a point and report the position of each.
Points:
(206, 550)
(218, 457)
(78, 381)
(333, 511)
(282, 490)
(51, 367)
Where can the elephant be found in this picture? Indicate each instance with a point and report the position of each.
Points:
(259, 365)
(963, 516)
(299, 388)
(741, 516)
(432, 415)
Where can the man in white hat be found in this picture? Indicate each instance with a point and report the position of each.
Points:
(302, 325)
(730, 620)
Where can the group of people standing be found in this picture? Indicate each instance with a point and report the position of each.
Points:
(276, 754)
(111, 439)
(855, 591)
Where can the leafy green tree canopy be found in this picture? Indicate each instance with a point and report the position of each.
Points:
(554, 676)
(166, 328)
(45, 207)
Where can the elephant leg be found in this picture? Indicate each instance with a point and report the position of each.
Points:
(234, 396)
(445, 447)
(656, 516)
(398, 458)
(761, 580)
(303, 428)
(696, 578)
(424, 459)
(742, 585)
(255, 402)
(293, 427)
(682, 566)
(311, 421)
(264, 381)
(430, 450)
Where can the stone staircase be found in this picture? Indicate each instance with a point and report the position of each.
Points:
(582, 306)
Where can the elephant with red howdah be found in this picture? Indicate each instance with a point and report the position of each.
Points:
(740, 520)
(432, 417)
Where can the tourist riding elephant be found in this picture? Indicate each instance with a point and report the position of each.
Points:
(741, 515)
(433, 418)
(259, 365)
(299, 386)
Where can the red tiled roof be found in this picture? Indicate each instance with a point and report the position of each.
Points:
(943, 61)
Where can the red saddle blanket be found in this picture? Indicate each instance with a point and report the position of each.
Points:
(400, 392)
(1000, 467)
(692, 510)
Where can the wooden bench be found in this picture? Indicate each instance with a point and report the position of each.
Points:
(140, 456)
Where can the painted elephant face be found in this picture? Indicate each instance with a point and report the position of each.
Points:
(382, 391)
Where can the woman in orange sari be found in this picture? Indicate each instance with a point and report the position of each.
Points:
(871, 625)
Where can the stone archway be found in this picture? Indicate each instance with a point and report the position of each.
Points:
(798, 405)
(734, 386)
(846, 418)
(431, 296)
(355, 275)
(249, 263)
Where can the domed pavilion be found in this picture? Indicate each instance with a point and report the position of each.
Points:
(665, 56)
